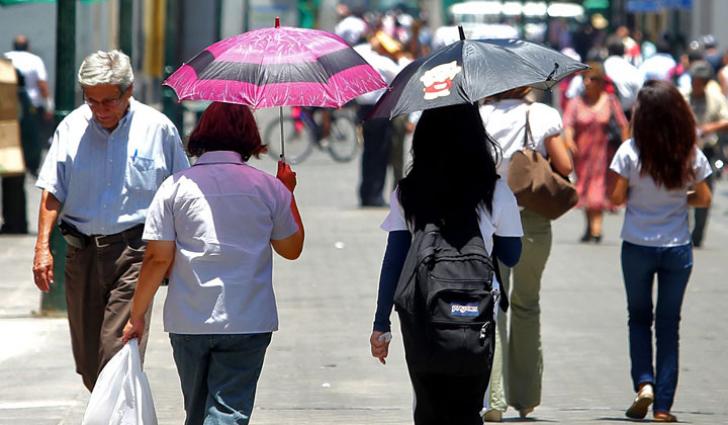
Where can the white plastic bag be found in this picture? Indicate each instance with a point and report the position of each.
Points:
(122, 395)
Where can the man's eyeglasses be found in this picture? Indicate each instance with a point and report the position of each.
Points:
(106, 103)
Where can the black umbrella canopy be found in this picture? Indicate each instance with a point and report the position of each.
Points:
(469, 70)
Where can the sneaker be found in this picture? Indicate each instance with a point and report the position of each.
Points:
(493, 415)
(645, 397)
(661, 416)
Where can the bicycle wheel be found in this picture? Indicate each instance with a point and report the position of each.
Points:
(297, 137)
(343, 140)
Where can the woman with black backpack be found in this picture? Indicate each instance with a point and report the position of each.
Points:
(452, 184)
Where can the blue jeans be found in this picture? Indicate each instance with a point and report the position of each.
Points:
(219, 374)
(672, 265)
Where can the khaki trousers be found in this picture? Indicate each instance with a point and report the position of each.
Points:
(100, 282)
(516, 373)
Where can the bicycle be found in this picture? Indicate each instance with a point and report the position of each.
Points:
(302, 132)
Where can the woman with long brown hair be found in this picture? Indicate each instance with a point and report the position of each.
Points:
(659, 173)
(586, 122)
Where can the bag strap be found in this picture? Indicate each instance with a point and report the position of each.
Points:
(503, 302)
(527, 133)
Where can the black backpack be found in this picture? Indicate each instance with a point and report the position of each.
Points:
(445, 301)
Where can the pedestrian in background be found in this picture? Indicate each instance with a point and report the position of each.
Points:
(379, 52)
(15, 220)
(514, 122)
(107, 159)
(214, 224)
(710, 109)
(660, 172)
(439, 188)
(34, 73)
(586, 124)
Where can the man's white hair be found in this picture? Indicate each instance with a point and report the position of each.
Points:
(113, 67)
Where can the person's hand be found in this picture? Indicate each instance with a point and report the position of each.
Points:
(43, 268)
(571, 146)
(133, 329)
(380, 345)
(286, 175)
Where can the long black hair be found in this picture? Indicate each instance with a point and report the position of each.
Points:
(453, 168)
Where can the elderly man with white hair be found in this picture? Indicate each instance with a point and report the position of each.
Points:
(107, 159)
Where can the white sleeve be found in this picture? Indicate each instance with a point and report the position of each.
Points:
(395, 218)
(284, 225)
(159, 225)
(506, 215)
(545, 122)
(622, 161)
(41, 70)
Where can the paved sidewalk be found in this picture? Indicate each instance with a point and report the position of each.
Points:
(318, 369)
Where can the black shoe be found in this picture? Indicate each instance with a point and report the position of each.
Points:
(596, 238)
(586, 238)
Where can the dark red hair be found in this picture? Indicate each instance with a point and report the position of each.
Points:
(226, 127)
(664, 132)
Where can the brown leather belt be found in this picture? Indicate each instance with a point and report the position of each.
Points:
(79, 240)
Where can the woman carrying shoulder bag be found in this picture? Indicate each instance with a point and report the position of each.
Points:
(661, 172)
(512, 121)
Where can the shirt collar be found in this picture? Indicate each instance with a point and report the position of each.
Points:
(217, 157)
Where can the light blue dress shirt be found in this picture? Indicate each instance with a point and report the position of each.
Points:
(106, 180)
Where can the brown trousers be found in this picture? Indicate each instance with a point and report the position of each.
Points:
(100, 282)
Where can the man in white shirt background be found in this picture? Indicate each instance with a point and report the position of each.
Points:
(626, 77)
(34, 72)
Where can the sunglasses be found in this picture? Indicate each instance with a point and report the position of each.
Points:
(106, 103)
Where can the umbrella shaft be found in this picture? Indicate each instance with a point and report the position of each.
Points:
(280, 120)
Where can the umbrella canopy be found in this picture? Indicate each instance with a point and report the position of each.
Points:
(277, 67)
(469, 70)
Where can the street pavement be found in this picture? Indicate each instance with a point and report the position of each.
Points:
(318, 369)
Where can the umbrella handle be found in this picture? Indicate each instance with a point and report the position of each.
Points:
(280, 120)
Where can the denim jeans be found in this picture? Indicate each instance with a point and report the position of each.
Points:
(672, 265)
(219, 374)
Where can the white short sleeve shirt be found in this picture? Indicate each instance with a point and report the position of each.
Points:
(505, 220)
(655, 216)
(505, 122)
(222, 214)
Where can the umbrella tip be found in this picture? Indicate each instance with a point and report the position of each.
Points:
(462, 32)
(278, 21)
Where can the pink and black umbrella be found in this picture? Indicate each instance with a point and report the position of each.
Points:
(279, 66)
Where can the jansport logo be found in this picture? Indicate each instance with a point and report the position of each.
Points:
(464, 310)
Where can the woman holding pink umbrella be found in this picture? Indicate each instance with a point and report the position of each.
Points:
(213, 227)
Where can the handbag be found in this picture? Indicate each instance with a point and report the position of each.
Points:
(614, 131)
(536, 185)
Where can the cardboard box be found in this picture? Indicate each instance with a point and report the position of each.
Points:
(8, 91)
(11, 150)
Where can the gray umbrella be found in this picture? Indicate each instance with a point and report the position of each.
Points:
(469, 70)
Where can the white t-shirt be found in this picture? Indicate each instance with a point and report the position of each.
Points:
(505, 122)
(33, 70)
(655, 216)
(504, 221)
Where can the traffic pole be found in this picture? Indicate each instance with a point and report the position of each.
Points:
(171, 108)
(53, 302)
(126, 38)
